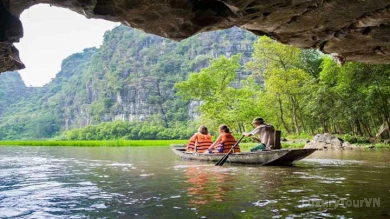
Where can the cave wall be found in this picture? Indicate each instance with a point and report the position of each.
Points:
(10, 32)
(348, 29)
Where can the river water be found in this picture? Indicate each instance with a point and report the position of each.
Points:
(152, 182)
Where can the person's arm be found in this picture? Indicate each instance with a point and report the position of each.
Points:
(253, 132)
(215, 143)
(247, 134)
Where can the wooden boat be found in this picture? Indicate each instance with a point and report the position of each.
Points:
(280, 157)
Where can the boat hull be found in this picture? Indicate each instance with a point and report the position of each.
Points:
(281, 157)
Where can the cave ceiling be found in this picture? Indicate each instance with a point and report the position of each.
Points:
(350, 30)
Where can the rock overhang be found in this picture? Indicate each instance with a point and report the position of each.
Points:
(351, 30)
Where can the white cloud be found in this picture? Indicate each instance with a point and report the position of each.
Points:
(50, 35)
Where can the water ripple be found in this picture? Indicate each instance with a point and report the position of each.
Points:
(34, 187)
(107, 183)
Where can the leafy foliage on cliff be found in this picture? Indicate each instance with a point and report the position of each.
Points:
(130, 77)
(12, 89)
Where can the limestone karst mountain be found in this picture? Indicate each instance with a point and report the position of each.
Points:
(130, 77)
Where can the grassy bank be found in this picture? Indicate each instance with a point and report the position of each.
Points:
(140, 143)
(247, 146)
(121, 143)
(112, 143)
(372, 146)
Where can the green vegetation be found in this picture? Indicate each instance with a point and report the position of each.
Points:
(128, 130)
(293, 145)
(139, 86)
(130, 77)
(139, 143)
(303, 92)
(379, 145)
(222, 101)
(94, 143)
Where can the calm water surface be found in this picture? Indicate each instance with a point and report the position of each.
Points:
(152, 182)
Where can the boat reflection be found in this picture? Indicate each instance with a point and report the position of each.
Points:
(207, 184)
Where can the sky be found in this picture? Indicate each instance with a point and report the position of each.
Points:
(50, 35)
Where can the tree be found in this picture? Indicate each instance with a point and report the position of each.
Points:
(223, 100)
(281, 67)
(353, 98)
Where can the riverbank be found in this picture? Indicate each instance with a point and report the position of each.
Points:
(143, 143)
(106, 143)
(300, 145)
(120, 143)
(353, 146)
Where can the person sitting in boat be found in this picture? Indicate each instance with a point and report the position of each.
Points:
(200, 141)
(265, 135)
(224, 142)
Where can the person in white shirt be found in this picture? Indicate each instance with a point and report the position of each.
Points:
(263, 133)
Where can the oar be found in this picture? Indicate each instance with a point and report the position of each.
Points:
(224, 158)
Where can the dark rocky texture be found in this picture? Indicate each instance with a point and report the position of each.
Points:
(325, 141)
(328, 141)
(10, 31)
(348, 29)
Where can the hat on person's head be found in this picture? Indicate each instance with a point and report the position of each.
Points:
(257, 120)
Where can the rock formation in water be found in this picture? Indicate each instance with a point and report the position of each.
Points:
(350, 30)
(328, 141)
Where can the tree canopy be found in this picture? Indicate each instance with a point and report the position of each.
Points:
(300, 91)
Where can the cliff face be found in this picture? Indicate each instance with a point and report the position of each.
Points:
(348, 29)
(130, 77)
(12, 90)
